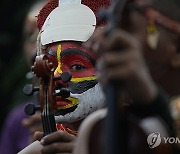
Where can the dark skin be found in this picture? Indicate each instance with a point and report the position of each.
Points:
(135, 66)
(164, 69)
(52, 142)
(132, 71)
(34, 124)
(59, 141)
(132, 63)
(128, 65)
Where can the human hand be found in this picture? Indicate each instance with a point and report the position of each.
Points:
(33, 123)
(57, 142)
(121, 62)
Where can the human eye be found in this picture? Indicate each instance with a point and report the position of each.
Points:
(77, 67)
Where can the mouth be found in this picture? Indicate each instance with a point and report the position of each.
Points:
(67, 105)
(65, 111)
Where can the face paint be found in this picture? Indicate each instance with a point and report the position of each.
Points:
(86, 95)
(89, 101)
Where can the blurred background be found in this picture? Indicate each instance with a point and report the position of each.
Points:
(13, 63)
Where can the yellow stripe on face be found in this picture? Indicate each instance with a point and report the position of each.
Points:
(58, 69)
(74, 102)
(84, 79)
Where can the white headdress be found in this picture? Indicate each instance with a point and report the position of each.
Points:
(70, 21)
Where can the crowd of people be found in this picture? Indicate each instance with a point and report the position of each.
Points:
(124, 68)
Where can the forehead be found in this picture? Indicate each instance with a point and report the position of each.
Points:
(77, 46)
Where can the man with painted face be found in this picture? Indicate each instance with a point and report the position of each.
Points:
(64, 25)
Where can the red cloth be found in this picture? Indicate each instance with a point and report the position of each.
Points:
(66, 129)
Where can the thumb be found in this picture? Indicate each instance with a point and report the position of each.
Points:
(38, 135)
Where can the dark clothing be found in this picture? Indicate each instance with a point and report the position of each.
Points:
(159, 107)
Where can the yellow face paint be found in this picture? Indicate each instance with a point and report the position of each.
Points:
(74, 101)
(58, 69)
(83, 79)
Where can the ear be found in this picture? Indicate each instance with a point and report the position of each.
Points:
(175, 61)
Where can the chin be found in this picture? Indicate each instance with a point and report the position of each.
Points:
(89, 101)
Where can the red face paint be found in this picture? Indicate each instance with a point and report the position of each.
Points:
(79, 62)
(74, 59)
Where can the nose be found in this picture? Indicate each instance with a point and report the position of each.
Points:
(62, 79)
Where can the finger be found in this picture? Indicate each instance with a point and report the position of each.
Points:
(95, 42)
(117, 74)
(25, 122)
(37, 127)
(57, 136)
(97, 35)
(119, 39)
(118, 58)
(110, 60)
(38, 135)
(58, 148)
(35, 119)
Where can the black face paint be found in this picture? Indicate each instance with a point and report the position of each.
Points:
(80, 87)
(65, 111)
(52, 53)
(77, 51)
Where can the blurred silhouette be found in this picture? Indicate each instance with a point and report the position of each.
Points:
(139, 55)
(12, 14)
(18, 128)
